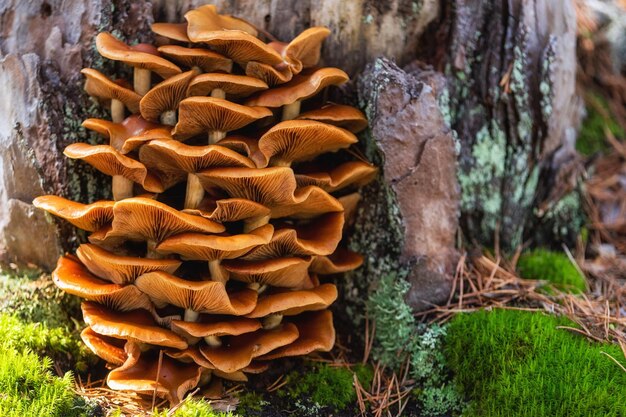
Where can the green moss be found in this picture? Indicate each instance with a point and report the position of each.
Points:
(591, 138)
(191, 408)
(516, 363)
(251, 401)
(554, 267)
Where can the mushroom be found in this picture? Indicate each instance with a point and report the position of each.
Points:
(290, 303)
(218, 116)
(121, 269)
(99, 86)
(89, 217)
(161, 102)
(205, 20)
(270, 75)
(197, 58)
(134, 142)
(301, 87)
(144, 219)
(144, 372)
(195, 296)
(300, 140)
(120, 133)
(350, 204)
(356, 173)
(239, 351)
(342, 260)
(219, 85)
(346, 117)
(234, 209)
(143, 58)
(316, 331)
(304, 50)
(176, 31)
(107, 348)
(279, 272)
(173, 159)
(211, 328)
(135, 326)
(124, 170)
(214, 248)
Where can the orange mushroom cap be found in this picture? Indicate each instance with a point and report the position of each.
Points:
(205, 20)
(300, 140)
(120, 133)
(136, 325)
(190, 355)
(207, 61)
(104, 347)
(166, 95)
(241, 144)
(90, 217)
(279, 272)
(134, 142)
(112, 48)
(202, 114)
(301, 87)
(304, 50)
(357, 173)
(231, 210)
(270, 75)
(291, 303)
(341, 261)
(98, 85)
(121, 269)
(176, 31)
(239, 351)
(111, 162)
(235, 86)
(140, 372)
(200, 296)
(239, 46)
(316, 331)
(141, 218)
(347, 117)
(215, 326)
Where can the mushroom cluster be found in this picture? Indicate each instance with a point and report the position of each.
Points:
(227, 206)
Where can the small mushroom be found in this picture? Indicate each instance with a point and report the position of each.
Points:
(121, 269)
(272, 76)
(218, 116)
(220, 85)
(144, 59)
(134, 142)
(198, 58)
(124, 170)
(89, 217)
(175, 31)
(234, 209)
(214, 248)
(211, 328)
(346, 117)
(301, 87)
(107, 348)
(304, 50)
(120, 133)
(196, 296)
(205, 20)
(99, 86)
(161, 102)
(279, 272)
(342, 260)
(354, 173)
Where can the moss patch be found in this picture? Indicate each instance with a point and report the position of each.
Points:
(516, 363)
(554, 267)
(591, 138)
(192, 408)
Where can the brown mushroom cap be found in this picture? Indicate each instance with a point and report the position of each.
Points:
(166, 95)
(190, 355)
(279, 272)
(174, 160)
(195, 246)
(121, 269)
(291, 303)
(140, 372)
(112, 48)
(136, 325)
(308, 202)
(205, 20)
(89, 217)
(201, 114)
(233, 85)
(231, 210)
(270, 75)
(347, 117)
(141, 218)
(215, 326)
(207, 61)
(133, 142)
(72, 277)
(120, 133)
(241, 144)
(355, 173)
(319, 237)
(300, 140)
(301, 87)
(176, 31)
(350, 204)
(239, 46)
(239, 351)
(341, 261)
(104, 347)
(200, 296)
(111, 162)
(304, 50)
(316, 331)
(98, 85)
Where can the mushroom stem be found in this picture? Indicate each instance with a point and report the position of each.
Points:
(191, 315)
(122, 187)
(141, 80)
(291, 111)
(255, 222)
(168, 117)
(213, 341)
(218, 93)
(117, 111)
(218, 273)
(257, 287)
(272, 321)
(151, 252)
(195, 192)
(215, 135)
(205, 378)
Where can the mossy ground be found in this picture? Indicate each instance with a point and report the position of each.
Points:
(517, 363)
(554, 267)
(591, 138)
